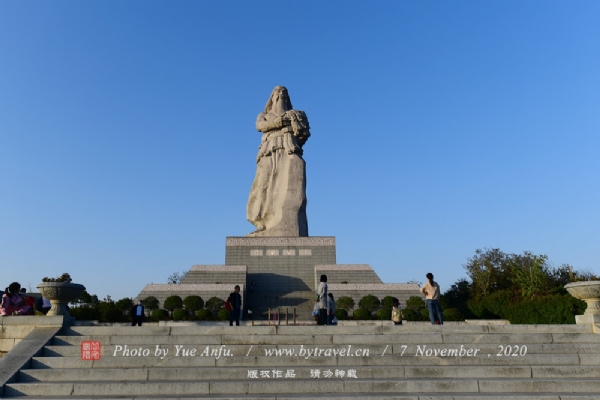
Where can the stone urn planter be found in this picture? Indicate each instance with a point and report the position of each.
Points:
(60, 294)
(588, 291)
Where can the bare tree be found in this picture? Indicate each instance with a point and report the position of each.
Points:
(175, 277)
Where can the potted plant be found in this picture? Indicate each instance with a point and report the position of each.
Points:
(60, 291)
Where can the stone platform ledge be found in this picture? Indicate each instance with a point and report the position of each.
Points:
(32, 320)
(588, 319)
(343, 267)
(309, 241)
(392, 287)
(190, 287)
(487, 321)
(220, 268)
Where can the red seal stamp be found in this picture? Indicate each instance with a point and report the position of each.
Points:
(90, 350)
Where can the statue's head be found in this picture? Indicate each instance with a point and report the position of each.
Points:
(279, 102)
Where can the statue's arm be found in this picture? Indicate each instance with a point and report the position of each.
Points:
(264, 125)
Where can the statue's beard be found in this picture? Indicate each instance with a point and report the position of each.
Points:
(279, 107)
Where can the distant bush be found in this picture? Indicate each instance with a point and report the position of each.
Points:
(345, 303)
(415, 303)
(493, 305)
(410, 315)
(85, 313)
(173, 303)
(369, 302)
(151, 303)
(384, 314)
(388, 302)
(204, 314)
(452, 314)
(223, 314)
(214, 304)
(341, 314)
(193, 303)
(160, 315)
(179, 314)
(424, 315)
(113, 315)
(361, 313)
(554, 309)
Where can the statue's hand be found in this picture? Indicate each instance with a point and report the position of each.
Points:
(284, 121)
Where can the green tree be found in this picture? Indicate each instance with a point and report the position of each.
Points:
(388, 302)
(151, 303)
(193, 303)
(214, 304)
(489, 271)
(529, 272)
(124, 305)
(172, 303)
(415, 303)
(369, 302)
(345, 303)
(458, 296)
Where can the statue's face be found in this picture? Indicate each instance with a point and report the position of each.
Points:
(280, 100)
(280, 93)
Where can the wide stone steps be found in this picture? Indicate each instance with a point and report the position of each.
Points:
(186, 373)
(402, 362)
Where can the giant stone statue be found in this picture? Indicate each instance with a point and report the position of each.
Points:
(277, 201)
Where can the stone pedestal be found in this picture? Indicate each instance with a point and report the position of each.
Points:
(587, 319)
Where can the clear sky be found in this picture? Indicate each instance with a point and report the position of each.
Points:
(128, 145)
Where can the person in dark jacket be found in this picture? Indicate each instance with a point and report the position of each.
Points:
(137, 314)
(235, 302)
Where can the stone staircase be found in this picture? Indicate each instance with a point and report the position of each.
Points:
(372, 361)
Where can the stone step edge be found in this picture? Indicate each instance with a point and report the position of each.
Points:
(371, 396)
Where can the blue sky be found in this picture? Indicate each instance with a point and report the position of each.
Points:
(127, 138)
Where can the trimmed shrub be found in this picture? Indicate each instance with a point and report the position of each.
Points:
(384, 314)
(341, 314)
(554, 309)
(113, 315)
(493, 305)
(173, 303)
(345, 303)
(204, 314)
(223, 314)
(410, 315)
(193, 303)
(424, 315)
(452, 314)
(415, 303)
(387, 302)
(369, 302)
(124, 305)
(85, 313)
(179, 314)
(361, 313)
(151, 303)
(160, 315)
(214, 304)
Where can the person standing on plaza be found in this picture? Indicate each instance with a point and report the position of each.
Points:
(137, 313)
(431, 290)
(235, 302)
(330, 309)
(396, 312)
(323, 300)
